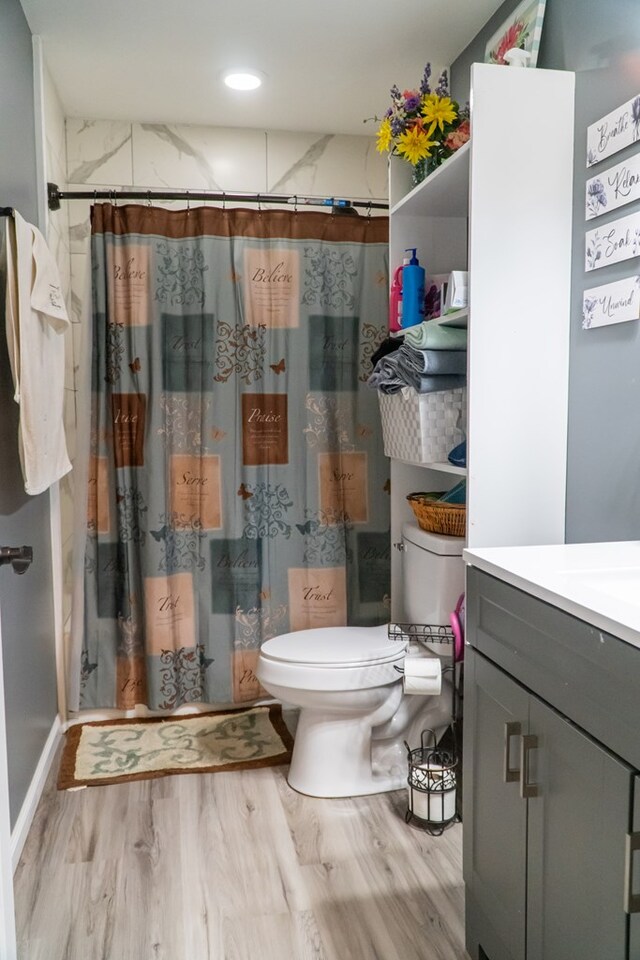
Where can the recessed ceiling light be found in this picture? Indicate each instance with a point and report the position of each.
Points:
(242, 80)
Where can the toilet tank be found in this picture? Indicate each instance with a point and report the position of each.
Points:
(432, 575)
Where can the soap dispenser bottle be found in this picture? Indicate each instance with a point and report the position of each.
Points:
(412, 291)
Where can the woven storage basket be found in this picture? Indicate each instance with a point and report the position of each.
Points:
(436, 517)
(422, 428)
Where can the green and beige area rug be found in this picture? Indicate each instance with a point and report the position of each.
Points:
(114, 751)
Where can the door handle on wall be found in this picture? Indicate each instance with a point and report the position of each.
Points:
(527, 789)
(20, 558)
(511, 729)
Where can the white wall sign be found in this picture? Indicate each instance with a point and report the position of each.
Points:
(613, 188)
(618, 240)
(614, 132)
(611, 303)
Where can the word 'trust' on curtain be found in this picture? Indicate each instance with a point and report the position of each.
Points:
(237, 487)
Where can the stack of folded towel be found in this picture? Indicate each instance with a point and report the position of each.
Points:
(431, 358)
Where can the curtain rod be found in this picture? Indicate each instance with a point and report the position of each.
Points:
(55, 196)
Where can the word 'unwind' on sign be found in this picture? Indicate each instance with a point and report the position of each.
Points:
(614, 132)
(611, 303)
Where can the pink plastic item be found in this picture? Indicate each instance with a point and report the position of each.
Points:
(457, 625)
(395, 301)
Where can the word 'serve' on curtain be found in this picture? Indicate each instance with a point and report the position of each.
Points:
(237, 487)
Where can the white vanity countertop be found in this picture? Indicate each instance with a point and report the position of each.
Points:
(596, 582)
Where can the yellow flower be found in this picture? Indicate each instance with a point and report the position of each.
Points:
(384, 136)
(414, 145)
(437, 111)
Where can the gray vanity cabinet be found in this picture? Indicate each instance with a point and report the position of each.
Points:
(547, 809)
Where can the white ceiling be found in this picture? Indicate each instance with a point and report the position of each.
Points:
(328, 65)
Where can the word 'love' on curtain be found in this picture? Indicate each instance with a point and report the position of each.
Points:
(237, 487)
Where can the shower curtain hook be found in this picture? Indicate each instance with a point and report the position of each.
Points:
(148, 198)
(224, 200)
(369, 211)
(95, 197)
(188, 203)
(295, 203)
(259, 204)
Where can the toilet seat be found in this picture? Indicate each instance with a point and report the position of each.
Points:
(332, 658)
(334, 647)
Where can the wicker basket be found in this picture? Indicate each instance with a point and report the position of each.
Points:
(437, 517)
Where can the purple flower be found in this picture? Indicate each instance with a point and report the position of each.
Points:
(443, 85)
(397, 126)
(596, 191)
(395, 93)
(388, 113)
(424, 86)
(635, 113)
(411, 103)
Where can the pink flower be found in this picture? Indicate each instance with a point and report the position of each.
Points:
(511, 38)
(457, 138)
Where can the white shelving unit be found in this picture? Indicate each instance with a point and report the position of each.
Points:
(501, 207)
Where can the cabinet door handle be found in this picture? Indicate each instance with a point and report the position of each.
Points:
(527, 789)
(511, 729)
(631, 900)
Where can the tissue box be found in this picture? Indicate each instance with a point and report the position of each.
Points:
(422, 428)
(457, 292)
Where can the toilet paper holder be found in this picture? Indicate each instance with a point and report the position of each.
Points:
(429, 636)
(432, 782)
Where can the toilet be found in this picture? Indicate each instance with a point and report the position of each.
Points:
(347, 682)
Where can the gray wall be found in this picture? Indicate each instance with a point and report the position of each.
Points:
(26, 609)
(600, 41)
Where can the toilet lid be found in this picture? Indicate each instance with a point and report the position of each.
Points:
(335, 646)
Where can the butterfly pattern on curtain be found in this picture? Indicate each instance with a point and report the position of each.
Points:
(237, 483)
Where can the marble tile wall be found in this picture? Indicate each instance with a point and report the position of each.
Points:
(116, 155)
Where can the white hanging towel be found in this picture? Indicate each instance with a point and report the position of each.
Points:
(36, 322)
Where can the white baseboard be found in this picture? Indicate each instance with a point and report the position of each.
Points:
(27, 812)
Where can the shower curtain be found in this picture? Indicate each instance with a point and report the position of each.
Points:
(237, 487)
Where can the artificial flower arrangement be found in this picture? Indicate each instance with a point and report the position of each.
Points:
(422, 126)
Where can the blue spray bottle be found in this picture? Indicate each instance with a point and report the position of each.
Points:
(412, 291)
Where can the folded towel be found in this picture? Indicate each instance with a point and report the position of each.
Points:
(433, 336)
(431, 361)
(385, 375)
(388, 345)
(427, 384)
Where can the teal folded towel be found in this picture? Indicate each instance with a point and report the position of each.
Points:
(426, 384)
(457, 494)
(431, 362)
(433, 336)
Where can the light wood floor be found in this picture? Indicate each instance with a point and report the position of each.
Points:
(234, 866)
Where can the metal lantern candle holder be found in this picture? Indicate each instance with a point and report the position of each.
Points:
(431, 783)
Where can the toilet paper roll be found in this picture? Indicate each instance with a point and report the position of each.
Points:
(422, 675)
